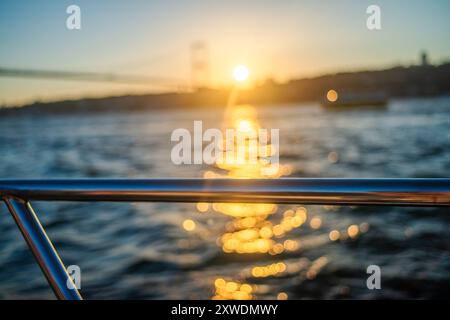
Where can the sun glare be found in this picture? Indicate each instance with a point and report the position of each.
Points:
(244, 126)
(240, 73)
(332, 95)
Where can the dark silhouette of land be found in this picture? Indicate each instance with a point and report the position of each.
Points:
(398, 82)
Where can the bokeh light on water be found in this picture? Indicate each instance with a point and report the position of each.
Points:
(257, 228)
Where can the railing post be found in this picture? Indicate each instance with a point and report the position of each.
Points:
(42, 248)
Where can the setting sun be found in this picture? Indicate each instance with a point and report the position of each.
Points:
(240, 73)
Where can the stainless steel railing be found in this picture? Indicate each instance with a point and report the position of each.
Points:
(17, 194)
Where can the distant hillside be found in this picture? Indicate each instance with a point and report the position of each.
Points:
(414, 81)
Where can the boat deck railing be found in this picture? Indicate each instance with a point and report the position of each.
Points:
(17, 195)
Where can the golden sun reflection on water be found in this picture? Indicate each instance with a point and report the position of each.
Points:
(253, 228)
(189, 225)
(250, 231)
(232, 290)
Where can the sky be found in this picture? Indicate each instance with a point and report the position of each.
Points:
(275, 39)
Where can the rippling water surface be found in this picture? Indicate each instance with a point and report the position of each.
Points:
(203, 251)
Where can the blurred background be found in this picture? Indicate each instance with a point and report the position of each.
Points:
(102, 102)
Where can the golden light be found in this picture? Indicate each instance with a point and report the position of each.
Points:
(315, 223)
(291, 245)
(231, 286)
(332, 95)
(231, 290)
(188, 225)
(244, 126)
(273, 269)
(220, 283)
(353, 231)
(334, 235)
(246, 288)
(202, 206)
(240, 73)
(282, 296)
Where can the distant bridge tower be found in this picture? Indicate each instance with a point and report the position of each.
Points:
(199, 65)
(424, 58)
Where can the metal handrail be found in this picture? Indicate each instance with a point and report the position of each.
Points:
(42, 248)
(411, 192)
(18, 193)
